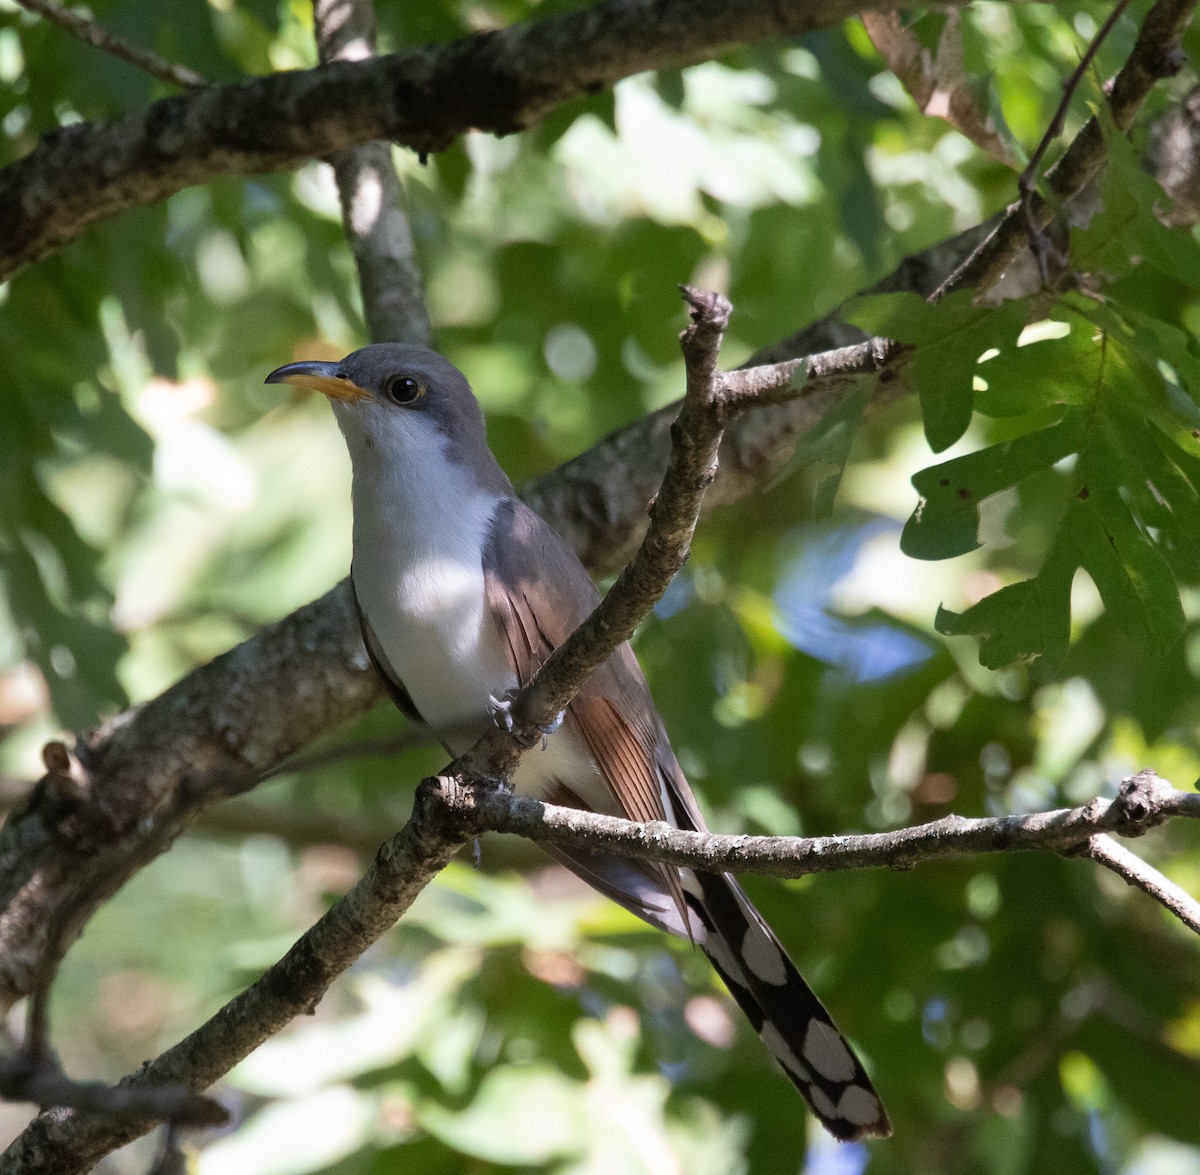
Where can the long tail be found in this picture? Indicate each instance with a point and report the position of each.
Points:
(783, 1009)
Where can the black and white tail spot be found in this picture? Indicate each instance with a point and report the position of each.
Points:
(783, 1009)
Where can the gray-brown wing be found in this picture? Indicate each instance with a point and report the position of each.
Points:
(535, 613)
(613, 713)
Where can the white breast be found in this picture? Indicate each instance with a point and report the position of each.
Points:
(420, 526)
(418, 572)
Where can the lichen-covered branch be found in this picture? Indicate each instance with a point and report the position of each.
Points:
(423, 98)
(1143, 802)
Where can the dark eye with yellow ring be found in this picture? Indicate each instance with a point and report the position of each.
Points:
(403, 389)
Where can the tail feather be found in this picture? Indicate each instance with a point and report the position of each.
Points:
(716, 915)
(783, 1009)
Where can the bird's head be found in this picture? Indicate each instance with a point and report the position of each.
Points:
(398, 402)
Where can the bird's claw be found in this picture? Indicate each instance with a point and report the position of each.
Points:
(502, 715)
(551, 727)
(500, 709)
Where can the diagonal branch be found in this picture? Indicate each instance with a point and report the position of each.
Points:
(83, 26)
(1129, 866)
(1157, 54)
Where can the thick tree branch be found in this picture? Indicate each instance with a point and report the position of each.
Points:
(501, 82)
(131, 785)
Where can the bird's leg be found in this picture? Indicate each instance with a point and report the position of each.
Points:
(500, 709)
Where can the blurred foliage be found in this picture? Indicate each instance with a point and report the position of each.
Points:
(157, 504)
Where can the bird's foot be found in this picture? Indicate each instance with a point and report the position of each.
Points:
(502, 715)
(551, 727)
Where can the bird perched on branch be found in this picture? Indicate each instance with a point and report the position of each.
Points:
(462, 592)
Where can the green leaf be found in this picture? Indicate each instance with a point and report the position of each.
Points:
(1031, 376)
(1130, 510)
(1024, 621)
(1126, 232)
(949, 338)
(823, 452)
(1133, 578)
(946, 519)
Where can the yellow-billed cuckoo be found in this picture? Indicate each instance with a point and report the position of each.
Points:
(462, 591)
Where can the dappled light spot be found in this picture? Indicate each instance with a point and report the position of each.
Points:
(710, 1020)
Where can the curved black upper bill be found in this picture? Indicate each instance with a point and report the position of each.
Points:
(321, 377)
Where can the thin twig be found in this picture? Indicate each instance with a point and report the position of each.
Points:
(749, 388)
(1026, 181)
(1156, 54)
(1143, 802)
(82, 24)
(696, 439)
(1129, 866)
(33, 1074)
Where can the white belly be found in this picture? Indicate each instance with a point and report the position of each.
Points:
(430, 617)
(431, 621)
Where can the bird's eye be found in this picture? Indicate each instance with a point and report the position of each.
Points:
(403, 389)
